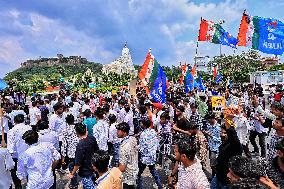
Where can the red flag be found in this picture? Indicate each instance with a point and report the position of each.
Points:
(206, 30)
(183, 72)
(215, 71)
(193, 70)
(243, 32)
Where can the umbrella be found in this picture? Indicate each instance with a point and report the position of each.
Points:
(3, 84)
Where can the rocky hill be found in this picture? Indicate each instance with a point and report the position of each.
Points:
(48, 71)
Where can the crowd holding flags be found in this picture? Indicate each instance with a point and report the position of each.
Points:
(263, 34)
(189, 78)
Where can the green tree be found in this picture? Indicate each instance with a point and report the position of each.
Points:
(277, 67)
(238, 67)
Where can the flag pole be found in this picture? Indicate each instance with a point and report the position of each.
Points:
(196, 52)
(3, 143)
(172, 73)
(197, 45)
(221, 22)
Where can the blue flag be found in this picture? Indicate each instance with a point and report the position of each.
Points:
(219, 78)
(188, 81)
(201, 86)
(3, 84)
(223, 37)
(195, 84)
(158, 91)
(231, 84)
(268, 35)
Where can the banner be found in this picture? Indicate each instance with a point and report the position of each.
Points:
(218, 103)
(114, 91)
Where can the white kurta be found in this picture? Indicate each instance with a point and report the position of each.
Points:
(36, 164)
(242, 128)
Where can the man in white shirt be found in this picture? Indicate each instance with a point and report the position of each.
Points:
(56, 123)
(76, 104)
(100, 130)
(16, 145)
(129, 119)
(15, 112)
(121, 113)
(114, 140)
(187, 111)
(5, 126)
(86, 106)
(242, 128)
(53, 102)
(37, 162)
(190, 175)
(35, 114)
(74, 111)
(257, 119)
(45, 135)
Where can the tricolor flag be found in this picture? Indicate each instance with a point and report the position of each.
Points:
(263, 34)
(146, 69)
(214, 33)
(154, 78)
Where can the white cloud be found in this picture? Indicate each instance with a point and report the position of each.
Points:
(15, 13)
(179, 21)
(11, 53)
(170, 27)
(47, 37)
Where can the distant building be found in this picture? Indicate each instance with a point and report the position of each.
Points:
(121, 65)
(60, 59)
(266, 78)
(202, 63)
(270, 61)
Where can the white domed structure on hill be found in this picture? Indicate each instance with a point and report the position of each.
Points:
(121, 65)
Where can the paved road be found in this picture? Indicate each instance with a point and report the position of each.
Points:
(148, 181)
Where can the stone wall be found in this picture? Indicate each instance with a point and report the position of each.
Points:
(60, 59)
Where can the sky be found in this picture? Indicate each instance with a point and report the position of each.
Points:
(98, 29)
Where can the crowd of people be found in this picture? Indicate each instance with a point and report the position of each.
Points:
(106, 140)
